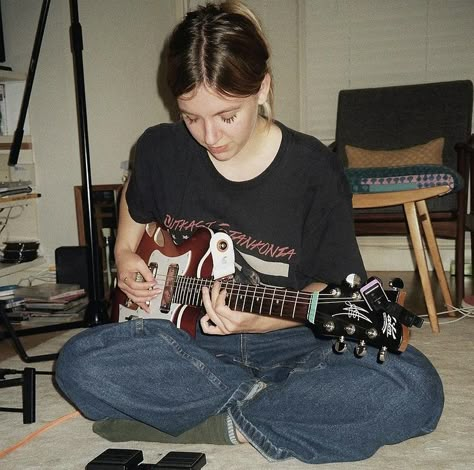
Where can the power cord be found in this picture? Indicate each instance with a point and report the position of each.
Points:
(34, 434)
(45, 275)
(465, 312)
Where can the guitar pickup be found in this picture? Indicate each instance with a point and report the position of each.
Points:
(168, 290)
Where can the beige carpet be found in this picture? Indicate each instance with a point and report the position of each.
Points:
(71, 444)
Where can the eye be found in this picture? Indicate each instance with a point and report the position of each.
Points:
(188, 119)
(229, 120)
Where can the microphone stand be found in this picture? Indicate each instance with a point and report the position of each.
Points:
(96, 311)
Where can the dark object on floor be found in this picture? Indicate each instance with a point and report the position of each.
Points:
(27, 380)
(129, 459)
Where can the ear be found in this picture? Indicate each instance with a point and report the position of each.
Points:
(264, 89)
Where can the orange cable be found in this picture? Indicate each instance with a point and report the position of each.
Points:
(31, 436)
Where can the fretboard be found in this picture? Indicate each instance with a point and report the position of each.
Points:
(262, 300)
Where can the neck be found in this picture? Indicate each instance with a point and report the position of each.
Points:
(255, 157)
(262, 300)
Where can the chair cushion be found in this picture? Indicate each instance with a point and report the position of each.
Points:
(430, 153)
(403, 178)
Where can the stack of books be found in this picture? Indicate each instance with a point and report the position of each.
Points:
(13, 304)
(10, 188)
(53, 300)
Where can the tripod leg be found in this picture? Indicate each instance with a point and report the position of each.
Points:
(29, 395)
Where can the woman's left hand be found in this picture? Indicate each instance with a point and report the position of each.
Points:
(221, 320)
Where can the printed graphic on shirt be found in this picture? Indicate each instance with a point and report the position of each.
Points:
(254, 255)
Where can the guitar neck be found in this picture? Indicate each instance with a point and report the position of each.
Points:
(261, 300)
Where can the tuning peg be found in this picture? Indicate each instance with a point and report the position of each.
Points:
(340, 345)
(382, 356)
(361, 349)
(396, 283)
(329, 326)
(353, 280)
(350, 329)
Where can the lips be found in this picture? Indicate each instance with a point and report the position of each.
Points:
(217, 150)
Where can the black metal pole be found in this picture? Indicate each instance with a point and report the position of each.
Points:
(96, 312)
(18, 135)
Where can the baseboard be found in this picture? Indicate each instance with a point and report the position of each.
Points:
(388, 253)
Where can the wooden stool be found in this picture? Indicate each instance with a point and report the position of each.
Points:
(416, 212)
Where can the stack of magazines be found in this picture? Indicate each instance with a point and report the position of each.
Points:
(53, 300)
(13, 304)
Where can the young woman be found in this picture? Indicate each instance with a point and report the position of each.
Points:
(283, 199)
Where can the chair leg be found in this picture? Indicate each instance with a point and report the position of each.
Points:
(415, 234)
(459, 262)
(433, 249)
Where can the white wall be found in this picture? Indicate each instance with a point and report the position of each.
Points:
(318, 48)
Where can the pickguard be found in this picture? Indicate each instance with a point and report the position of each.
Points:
(163, 262)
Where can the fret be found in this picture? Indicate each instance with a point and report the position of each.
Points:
(181, 293)
(231, 293)
(184, 282)
(190, 290)
(176, 290)
(185, 290)
(262, 300)
(294, 306)
(245, 298)
(195, 291)
(253, 298)
(283, 303)
(237, 297)
(271, 303)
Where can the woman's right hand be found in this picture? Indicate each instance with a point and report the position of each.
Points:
(129, 265)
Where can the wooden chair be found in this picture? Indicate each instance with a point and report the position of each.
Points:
(405, 149)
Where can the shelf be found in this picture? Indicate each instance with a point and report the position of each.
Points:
(7, 140)
(8, 76)
(18, 197)
(6, 268)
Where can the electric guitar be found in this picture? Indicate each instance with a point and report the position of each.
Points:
(368, 314)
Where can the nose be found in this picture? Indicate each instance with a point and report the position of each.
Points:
(211, 133)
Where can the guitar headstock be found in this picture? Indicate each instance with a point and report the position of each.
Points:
(368, 314)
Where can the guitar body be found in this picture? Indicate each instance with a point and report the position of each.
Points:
(192, 259)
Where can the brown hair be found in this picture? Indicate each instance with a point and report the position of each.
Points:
(223, 47)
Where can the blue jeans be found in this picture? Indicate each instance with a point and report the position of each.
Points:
(286, 391)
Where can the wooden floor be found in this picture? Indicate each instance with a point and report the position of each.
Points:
(412, 285)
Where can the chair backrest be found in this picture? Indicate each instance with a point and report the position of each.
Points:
(397, 117)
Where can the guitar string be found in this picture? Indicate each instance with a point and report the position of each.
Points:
(276, 293)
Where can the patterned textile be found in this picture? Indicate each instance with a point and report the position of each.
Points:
(377, 180)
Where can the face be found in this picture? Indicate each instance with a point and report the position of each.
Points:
(224, 126)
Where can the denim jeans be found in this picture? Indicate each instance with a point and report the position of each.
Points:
(286, 391)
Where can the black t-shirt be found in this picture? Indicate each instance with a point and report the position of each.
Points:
(292, 224)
